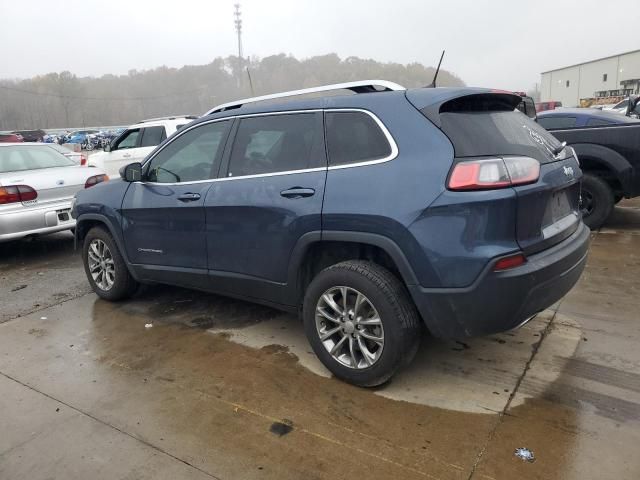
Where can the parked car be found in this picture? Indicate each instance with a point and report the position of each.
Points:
(136, 142)
(609, 155)
(37, 185)
(620, 107)
(78, 158)
(373, 214)
(31, 135)
(10, 137)
(550, 105)
(580, 117)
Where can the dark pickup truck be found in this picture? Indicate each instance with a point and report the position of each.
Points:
(610, 160)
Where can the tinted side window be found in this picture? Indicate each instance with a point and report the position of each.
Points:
(354, 137)
(276, 143)
(153, 136)
(128, 140)
(594, 122)
(192, 156)
(551, 123)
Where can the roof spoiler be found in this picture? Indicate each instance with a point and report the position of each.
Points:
(431, 102)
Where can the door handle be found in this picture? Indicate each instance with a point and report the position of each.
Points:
(189, 197)
(126, 155)
(298, 192)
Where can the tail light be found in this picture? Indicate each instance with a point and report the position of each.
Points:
(511, 261)
(17, 194)
(94, 180)
(83, 159)
(491, 173)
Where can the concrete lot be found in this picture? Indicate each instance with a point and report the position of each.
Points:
(223, 389)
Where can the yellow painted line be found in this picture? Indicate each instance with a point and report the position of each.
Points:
(239, 407)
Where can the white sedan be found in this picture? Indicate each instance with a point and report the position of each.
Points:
(37, 185)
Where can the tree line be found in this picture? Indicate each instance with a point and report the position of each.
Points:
(63, 100)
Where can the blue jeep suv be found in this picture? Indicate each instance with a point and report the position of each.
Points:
(374, 214)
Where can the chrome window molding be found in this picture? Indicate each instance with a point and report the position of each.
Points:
(381, 125)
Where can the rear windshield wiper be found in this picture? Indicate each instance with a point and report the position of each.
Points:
(558, 150)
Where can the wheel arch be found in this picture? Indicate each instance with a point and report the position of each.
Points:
(316, 251)
(602, 161)
(87, 221)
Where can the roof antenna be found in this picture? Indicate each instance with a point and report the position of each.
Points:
(435, 75)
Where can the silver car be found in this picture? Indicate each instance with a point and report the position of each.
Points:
(37, 185)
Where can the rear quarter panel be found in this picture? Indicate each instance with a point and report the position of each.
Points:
(445, 236)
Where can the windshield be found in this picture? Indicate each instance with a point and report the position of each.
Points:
(30, 157)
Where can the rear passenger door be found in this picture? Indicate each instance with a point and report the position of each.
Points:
(269, 194)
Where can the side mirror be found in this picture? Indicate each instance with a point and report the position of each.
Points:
(131, 172)
(107, 147)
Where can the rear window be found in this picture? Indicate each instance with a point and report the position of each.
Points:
(488, 124)
(597, 122)
(354, 137)
(551, 123)
(19, 158)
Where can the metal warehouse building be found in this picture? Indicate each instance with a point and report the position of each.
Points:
(618, 75)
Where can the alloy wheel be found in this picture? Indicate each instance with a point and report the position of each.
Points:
(349, 327)
(101, 265)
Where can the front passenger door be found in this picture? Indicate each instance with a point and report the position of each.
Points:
(164, 220)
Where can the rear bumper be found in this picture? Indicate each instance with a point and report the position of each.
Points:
(500, 301)
(35, 221)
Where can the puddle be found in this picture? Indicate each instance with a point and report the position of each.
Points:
(474, 376)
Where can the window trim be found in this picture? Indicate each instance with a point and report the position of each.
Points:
(179, 133)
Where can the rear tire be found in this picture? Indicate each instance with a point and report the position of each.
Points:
(597, 201)
(105, 267)
(380, 321)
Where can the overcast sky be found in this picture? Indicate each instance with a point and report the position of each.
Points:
(492, 43)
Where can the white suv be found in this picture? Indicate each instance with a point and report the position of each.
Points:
(135, 143)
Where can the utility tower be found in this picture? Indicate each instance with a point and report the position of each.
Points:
(238, 23)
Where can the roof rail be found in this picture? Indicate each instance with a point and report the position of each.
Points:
(172, 117)
(361, 86)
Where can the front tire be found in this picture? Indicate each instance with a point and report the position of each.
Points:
(361, 322)
(105, 268)
(597, 201)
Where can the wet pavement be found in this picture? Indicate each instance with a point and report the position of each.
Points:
(218, 388)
